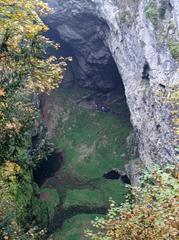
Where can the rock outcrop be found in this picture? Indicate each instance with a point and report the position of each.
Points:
(138, 35)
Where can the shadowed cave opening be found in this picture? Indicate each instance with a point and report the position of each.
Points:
(115, 174)
(93, 65)
(48, 167)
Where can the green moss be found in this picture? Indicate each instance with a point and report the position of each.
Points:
(98, 196)
(40, 211)
(174, 48)
(92, 141)
(152, 12)
(73, 229)
(19, 202)
(83, 197)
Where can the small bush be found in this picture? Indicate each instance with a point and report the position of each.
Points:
(174, 48)
(152, 13)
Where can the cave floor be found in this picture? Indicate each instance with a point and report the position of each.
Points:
(91, 129)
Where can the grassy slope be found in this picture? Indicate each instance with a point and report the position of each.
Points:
(93, 143)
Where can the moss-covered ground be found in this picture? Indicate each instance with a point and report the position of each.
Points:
(98, 196)
(76, 224)
(93, 143)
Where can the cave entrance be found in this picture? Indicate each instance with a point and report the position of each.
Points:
(93, 66)
(100, 76)
(48, 167)
(115, 174)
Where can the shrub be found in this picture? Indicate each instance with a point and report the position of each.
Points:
(25, 72)
(150, 212)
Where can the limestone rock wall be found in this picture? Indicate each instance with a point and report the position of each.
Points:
(138, 42)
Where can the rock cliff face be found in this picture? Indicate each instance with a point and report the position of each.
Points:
(138, 35)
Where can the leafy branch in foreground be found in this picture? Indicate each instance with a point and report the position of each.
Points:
(150, 212)
(25, 72)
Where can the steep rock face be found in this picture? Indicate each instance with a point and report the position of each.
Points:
(136, 34)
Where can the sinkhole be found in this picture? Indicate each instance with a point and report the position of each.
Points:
(93, 84)
(88, 121)
(93, 70)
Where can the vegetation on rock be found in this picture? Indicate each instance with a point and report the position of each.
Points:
(152, 12)
(97, 196)
(93, 142)
(174, 48)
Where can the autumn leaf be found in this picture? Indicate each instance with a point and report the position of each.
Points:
(2, 92)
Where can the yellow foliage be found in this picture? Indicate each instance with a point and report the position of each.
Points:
(11, 169)
(25, 72)
(2, 92)
(21, 27)
(151, 213)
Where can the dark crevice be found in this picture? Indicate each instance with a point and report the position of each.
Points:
(115, 174)
(162, 86)
(146, 71)
(48, 167)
